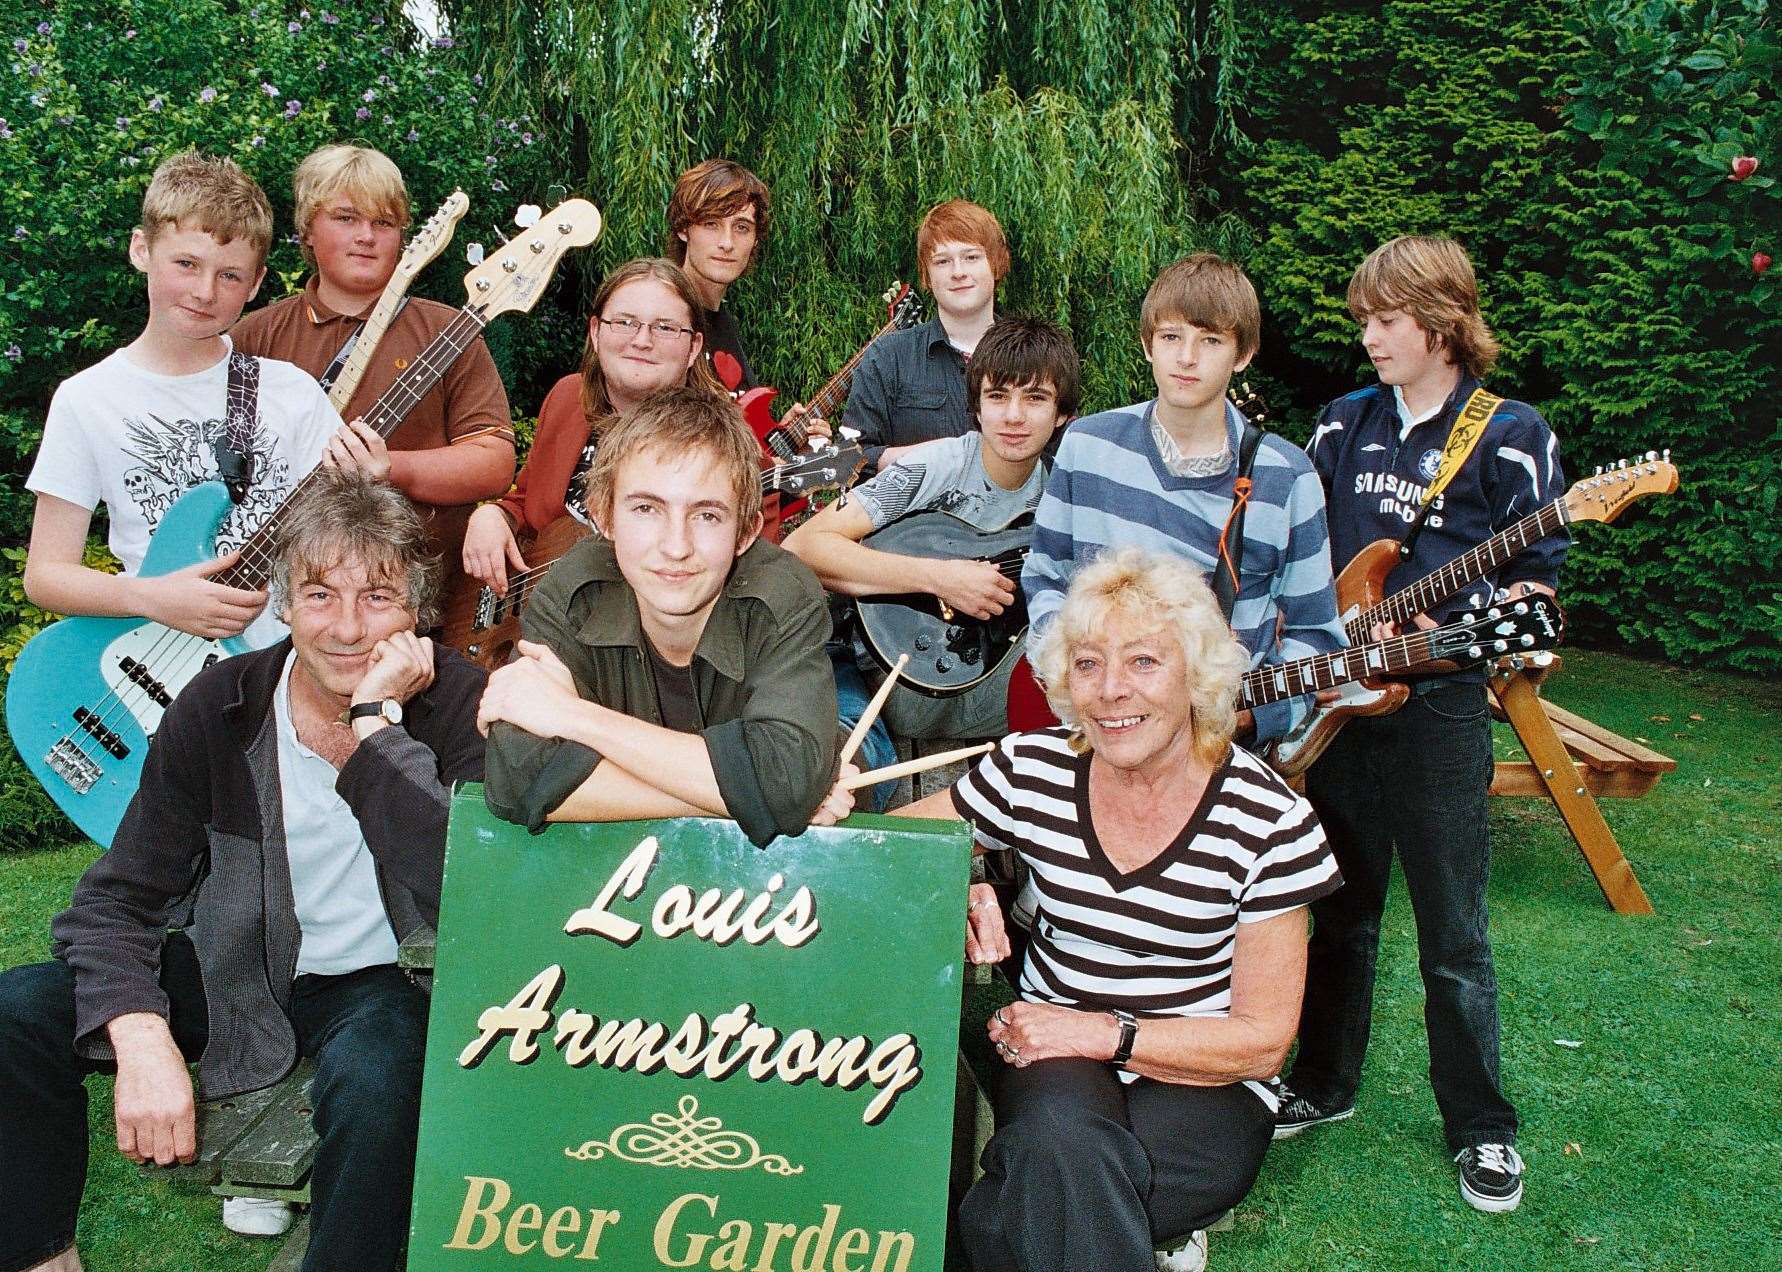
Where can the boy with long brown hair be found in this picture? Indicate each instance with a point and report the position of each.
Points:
(1415, 781)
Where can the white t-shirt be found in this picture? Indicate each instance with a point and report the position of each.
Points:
(136, 441)
(333, 876)
(947, 474)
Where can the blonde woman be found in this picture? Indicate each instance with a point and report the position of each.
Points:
(1162, 985)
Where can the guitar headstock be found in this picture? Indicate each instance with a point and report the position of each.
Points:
(514, 277)
(1510, 627)
(1604, 494)
(1249, 402)
(903, 308)
(831, 466)
(433, 237)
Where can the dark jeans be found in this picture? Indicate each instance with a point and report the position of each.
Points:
(364, 1031)
(1414, 781)
(1087, 1173)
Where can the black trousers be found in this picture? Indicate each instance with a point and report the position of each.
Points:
(1087, 1174)
(365, 1030)
(1413, 782)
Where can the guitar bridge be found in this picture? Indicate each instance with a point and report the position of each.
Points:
(113, 744)
(485, 608)
(73, 766)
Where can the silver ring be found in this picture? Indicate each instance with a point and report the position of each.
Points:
(981, 904)
(1013, 1052)
(999, 1018)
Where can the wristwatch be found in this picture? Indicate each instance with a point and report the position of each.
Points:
(1128, 1035)
(387, 709)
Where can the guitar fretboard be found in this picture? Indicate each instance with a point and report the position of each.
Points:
(416, 381)
(827, 398)
(1326, 671)
(1434, 588)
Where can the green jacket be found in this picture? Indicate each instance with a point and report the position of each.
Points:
(761, 674)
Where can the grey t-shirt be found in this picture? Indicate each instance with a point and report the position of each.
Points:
(947, 475)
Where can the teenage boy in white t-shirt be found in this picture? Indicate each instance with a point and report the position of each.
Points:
(139, 429)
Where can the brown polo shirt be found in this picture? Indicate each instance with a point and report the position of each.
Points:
(469, 400)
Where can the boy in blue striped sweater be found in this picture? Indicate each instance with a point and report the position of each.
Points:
(1162, 474)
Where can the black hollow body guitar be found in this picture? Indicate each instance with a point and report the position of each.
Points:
(949, 652)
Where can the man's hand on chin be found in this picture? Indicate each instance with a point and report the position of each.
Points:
(400, 666)
(534, 692)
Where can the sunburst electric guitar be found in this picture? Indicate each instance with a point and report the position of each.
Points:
(87, 694)
(1361, 602)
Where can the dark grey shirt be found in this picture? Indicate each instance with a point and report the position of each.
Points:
(910, 387)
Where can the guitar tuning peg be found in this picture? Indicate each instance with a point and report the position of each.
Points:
(1598, 472)
(526, 215)
(473, 252)
(1667, 454)
(1651, 455)
(849, 434)
(1623, 464)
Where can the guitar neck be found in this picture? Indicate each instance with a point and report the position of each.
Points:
(831, 394)
(1434, 588)
(415, 382)
(1326, 671)
(370, 334)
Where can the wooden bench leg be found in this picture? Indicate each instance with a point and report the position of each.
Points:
(1565, 785)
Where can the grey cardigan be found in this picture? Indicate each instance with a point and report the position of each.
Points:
(203, 843)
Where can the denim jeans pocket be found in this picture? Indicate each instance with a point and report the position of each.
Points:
(1458, 703)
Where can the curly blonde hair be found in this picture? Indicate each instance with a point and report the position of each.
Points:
(1144, 592)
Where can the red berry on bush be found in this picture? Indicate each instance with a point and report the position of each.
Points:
(1743, 166)
(1760, 261)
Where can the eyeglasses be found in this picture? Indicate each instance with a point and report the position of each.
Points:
(662, 329)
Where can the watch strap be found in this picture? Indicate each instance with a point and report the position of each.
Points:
(1128, 1035)
(374, 709)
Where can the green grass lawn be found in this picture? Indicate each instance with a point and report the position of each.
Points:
(1648, 1144)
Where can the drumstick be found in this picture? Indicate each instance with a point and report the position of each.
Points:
(871, 713)
(908, 767)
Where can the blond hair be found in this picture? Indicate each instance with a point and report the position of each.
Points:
(203, 192)
(671, 425)
(1211, 293)
(1432, 281)
(1143, 592)
(367, 177)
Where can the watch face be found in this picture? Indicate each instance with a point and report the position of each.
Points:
(392, 711)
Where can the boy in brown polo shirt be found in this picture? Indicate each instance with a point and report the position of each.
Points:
(456, 446)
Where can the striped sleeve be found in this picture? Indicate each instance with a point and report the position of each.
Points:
(1296, 866)
(1046, 574)
(1305, 596)
(986, 798)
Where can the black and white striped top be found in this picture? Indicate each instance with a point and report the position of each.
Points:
(1156, 941)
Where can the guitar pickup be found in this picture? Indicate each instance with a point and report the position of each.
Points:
(485, 608)
(144, 679)
(113, 744)
(73, 766)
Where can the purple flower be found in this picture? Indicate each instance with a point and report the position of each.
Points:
(477, 80)
(257, 142)
(526, 138)
(43, 28)
(413, 135)
(293, 27)
(328, 19)
(14, 353)
(499, 187)
(130, 34)
(364, 112)
(20, 234)
(370, 95)
(271, 90)
(35, 70)
(443, 42)
(5, 132)
(155, 102)
(37, 99)
(489, 161)
(384, 80)
(207, 94)
(20, 45)
(123, 123)
(322, 65)
(292, 107)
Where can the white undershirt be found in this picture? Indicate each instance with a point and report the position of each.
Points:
(333, 877)
(1406, 421)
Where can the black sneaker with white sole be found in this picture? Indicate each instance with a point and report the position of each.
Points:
(1490, 1177)
(1297, 1113)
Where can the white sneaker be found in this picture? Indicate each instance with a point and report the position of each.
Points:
(256, 1216)
(1190, 1256)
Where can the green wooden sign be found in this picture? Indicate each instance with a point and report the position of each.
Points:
(654, 1045)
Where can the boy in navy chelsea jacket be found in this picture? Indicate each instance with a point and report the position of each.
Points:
(1415, 781)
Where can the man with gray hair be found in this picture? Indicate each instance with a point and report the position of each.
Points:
(291, 820)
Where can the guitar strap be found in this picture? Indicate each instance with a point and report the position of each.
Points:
(332, 372)
(235, 447)
(1463, 440)
(1227, 572)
